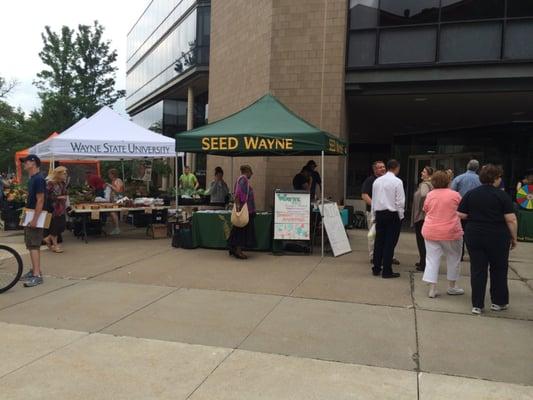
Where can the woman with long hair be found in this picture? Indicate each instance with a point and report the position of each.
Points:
(57, 200)
(243, 237)
(418, 214)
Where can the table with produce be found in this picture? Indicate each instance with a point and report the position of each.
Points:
(89, 213)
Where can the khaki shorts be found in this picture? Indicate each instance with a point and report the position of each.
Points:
(33, 238)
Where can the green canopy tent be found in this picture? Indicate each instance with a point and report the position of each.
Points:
(264, 128)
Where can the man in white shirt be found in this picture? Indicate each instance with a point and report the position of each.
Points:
(388, 207)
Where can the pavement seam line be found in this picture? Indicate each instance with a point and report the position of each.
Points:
(416, 356)
(520, 277)
(209, 374)
(485, 315)
(239, 344)
(85, 335)
(40, 295)
(305, 278)
(137, 310)
(126, 265)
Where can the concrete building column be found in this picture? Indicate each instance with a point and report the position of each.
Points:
(191, 158)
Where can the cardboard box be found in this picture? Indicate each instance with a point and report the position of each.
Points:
(157, 231)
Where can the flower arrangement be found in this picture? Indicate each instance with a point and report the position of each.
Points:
(17, 194)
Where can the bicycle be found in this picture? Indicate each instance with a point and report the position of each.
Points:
(10, 268)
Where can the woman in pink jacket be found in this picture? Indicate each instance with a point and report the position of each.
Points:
(442, 234)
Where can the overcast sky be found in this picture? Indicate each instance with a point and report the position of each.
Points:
(22, 22)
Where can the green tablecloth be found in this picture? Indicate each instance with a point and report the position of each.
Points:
(212, 230)
(525, 225)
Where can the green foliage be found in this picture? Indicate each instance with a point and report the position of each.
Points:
(161, 168)
(12, 135)
(79, 77)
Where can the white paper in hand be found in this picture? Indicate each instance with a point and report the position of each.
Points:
(41, 221)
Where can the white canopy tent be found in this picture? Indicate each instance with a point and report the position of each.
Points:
(106, 135)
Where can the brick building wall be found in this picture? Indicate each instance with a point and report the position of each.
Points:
(295, 50)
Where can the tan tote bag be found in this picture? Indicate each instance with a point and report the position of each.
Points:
(240, 218)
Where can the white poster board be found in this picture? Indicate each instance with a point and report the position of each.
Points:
(335, 229)
(292, 215)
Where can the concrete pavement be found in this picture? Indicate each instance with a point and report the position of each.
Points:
(134, 318)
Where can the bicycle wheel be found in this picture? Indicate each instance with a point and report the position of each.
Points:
(10, 268)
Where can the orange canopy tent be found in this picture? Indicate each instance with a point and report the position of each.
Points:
(91, 164)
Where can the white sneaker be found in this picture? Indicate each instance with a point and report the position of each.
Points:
(496, 307)
(454, 291)
(432, 292)
(476, 311)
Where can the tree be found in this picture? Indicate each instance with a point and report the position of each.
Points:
(12, 134)
(6, 87)
(95, 70)
(79, 77)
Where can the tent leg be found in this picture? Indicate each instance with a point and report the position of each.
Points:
(345, 177)
(322, 202)
(232, 176)
(176, 182)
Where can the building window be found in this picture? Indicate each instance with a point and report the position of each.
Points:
(362, 49)
(407, 45)
(363, 14)
(519, 40)
(519, 8)
(394, 12)
(461, 10)
(411, 32)
(470, 42)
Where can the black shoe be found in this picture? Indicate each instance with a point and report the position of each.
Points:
(376, 272)
(420, 268)
(417, 264)
(393, 275)
(395, 261)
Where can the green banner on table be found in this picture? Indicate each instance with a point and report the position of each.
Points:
(211, 230)
(525, 225)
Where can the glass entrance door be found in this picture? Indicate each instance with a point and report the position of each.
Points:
(455, 162)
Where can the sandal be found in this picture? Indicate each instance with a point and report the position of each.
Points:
(48, 243)
(57, 249)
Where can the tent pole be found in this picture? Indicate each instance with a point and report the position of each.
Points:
(345, 177)
(322, 202)
(176, 182)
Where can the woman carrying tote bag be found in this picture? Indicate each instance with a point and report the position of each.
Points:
(243, 232)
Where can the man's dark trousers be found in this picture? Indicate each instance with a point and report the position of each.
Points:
(388, 227)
